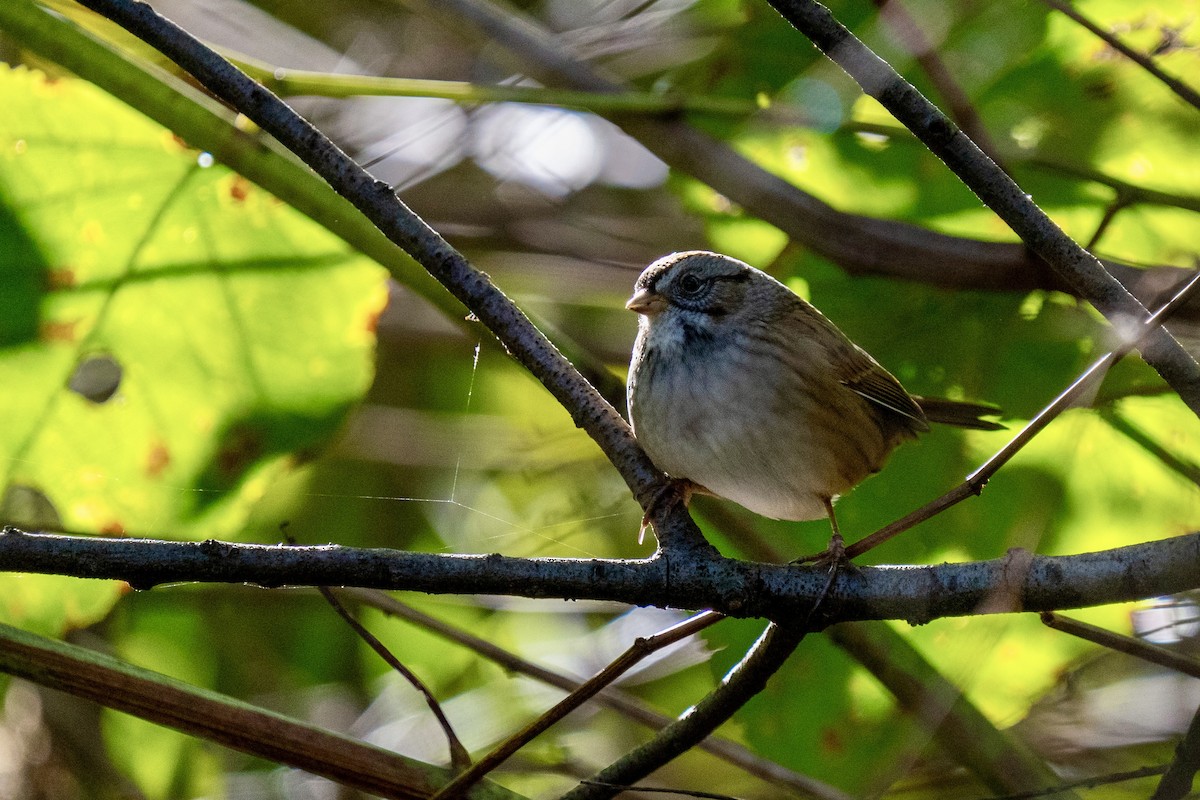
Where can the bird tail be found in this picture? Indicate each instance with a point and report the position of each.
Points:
(960, 414)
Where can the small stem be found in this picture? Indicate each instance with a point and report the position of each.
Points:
(742, 683)
(1085, 783)
(459, 757)
(1185, 92)
(289, 82)
(1110, 213)
(1186, 469)
(1123, 644)
(639, 650)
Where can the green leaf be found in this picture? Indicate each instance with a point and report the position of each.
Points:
(191, 337)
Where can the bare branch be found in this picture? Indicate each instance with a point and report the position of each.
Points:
(638, 651)
(1070, 262)
(975, 482)
(459, 757)
(1185, 92)
(1124, 644)
(731, 587)
(622, 702)
(746, 680)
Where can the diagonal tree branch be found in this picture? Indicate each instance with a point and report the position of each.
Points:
(474, 289)
(614, 698)
(974, 483)
(1139, 648)
(742, 683)
(221, 719)
(1074, 265)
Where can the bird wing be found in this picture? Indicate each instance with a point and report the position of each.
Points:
(866, 378)
(857, 370)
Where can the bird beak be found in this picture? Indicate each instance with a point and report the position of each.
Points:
(646, 301)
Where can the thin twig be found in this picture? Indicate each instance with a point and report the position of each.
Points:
(745, 681)
(893, 13)
(1185, 92)
(637, 652)
(1186, 469)
(620, 701)
(1086, 783)
(289, 82)
(460, 759)
(661, 790)
(1068, 260)
(1176, 783)
(976, 481)
(1124, 644)
(1110, 213)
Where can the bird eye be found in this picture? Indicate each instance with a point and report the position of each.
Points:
(690, 285)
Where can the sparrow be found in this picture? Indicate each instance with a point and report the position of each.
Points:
(741, 389)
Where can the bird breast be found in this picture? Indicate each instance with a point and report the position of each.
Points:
(727, 412)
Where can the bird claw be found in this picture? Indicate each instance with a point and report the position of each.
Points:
(833, 556)
(676, 490)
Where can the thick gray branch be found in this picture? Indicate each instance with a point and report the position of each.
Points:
(1019, 582)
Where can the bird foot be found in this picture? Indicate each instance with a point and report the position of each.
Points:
(833, 556)
(676, 490)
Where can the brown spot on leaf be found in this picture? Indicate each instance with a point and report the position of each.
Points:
(61, 278)
(831, 742)
(239, 189)
(157, 460)
(113, 528)
(52, 331)
(241, 449)
(373, 320)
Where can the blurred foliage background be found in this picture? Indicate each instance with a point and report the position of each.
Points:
(195, 347)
